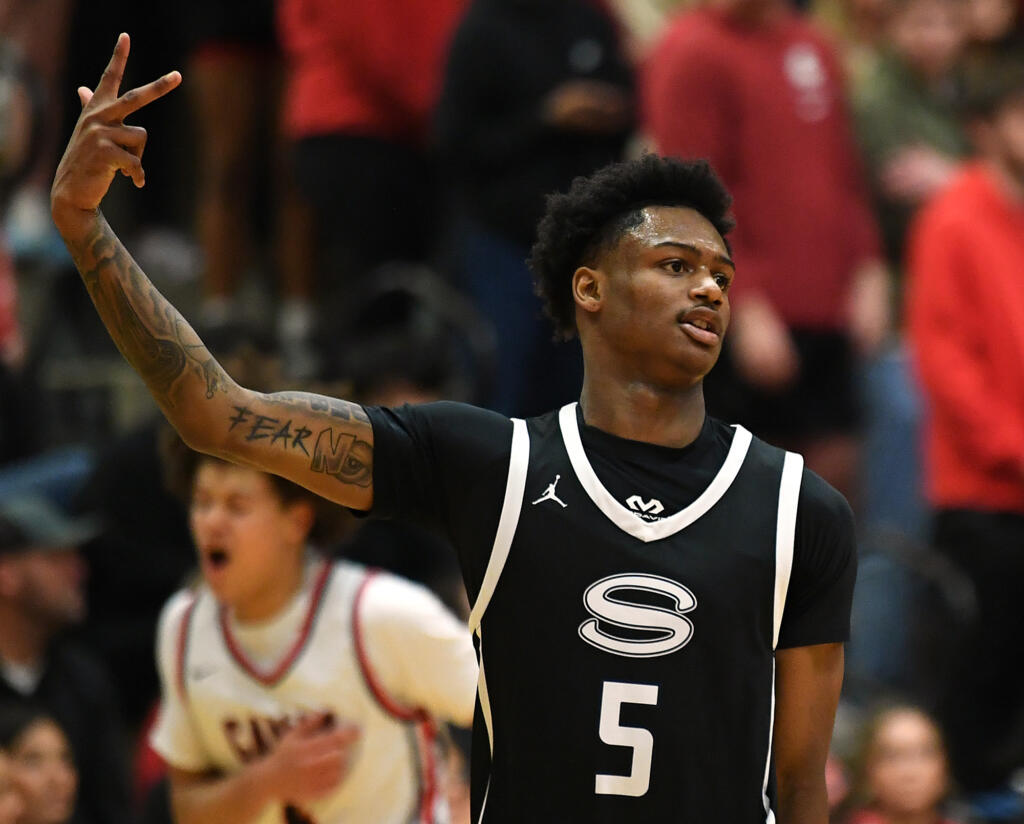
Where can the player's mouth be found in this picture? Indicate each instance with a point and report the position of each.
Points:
(702, 325)
(215, 558)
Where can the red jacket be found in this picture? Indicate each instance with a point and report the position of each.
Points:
(366, 67)
(766, 107)
(965, 313)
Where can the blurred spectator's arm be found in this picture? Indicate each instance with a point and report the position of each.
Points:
(688, 111)
(948, 334)
(808, 680)
(865, 246)
(870, 306)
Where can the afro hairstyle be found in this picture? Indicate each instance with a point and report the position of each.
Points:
(597, 210)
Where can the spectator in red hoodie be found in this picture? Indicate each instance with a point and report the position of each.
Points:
(966, 321)
(754, 88)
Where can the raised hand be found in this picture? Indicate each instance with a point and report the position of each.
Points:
(102, 144)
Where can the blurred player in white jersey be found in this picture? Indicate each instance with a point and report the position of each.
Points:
(296, 689)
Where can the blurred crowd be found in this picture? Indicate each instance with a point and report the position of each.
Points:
(342, 197)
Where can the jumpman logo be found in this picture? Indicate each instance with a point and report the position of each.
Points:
(549, 494)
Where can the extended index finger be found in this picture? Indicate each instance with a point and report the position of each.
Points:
(135, 99)
(110, 82)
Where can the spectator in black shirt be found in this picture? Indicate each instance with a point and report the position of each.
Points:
(535, 93)
(41, 595)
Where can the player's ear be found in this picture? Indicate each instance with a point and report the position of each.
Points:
(588, 288)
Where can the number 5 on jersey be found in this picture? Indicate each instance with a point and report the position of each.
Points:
(614, 695)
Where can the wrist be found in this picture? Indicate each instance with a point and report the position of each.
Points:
(262, 782)
(72, 222)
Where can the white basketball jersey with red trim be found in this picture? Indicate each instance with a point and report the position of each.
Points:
(239, 710)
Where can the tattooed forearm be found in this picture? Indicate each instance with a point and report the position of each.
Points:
(150, 333)
(161, 361)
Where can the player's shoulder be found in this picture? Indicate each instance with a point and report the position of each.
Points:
(440, 417)
(823, 504)
(175, 612)
(388, 600)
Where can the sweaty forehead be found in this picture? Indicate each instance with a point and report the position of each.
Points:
(674, 224)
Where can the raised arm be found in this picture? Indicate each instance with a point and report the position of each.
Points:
(321, 443)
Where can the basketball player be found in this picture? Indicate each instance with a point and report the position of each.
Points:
(293, 688)
(659, 599)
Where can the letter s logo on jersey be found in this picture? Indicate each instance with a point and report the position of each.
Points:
(652, 629)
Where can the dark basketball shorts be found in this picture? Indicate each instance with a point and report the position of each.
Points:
(213, 24)
(824, 400)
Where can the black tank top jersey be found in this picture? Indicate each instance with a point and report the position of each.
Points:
(646, 646)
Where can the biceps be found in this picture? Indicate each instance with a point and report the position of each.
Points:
(321, 443)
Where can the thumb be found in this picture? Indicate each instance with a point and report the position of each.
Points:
(84, 95)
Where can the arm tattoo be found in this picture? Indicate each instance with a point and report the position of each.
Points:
(344, 456)
(342, 410)
(150, 333)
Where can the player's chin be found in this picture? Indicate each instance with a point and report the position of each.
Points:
(697, 361)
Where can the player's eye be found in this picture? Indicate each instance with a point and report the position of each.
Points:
(679, 266)
(723, 281)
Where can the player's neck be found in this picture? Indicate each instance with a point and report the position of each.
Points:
(643, 412)
(271, 600)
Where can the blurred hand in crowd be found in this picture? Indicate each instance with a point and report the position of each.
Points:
(591, 106)
(870, 307)
(762, 346)
(913, 174)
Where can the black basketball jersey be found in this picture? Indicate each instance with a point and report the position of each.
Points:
(627, 665)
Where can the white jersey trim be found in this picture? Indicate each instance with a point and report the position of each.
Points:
(769, 813)
(485, 709)
(785, 536)
(626, 519)
(518, 464)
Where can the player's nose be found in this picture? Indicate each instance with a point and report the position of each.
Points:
(704, 287)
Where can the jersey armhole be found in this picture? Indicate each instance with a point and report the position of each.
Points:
(181, 650)
(425, 730)
(515, 486)
(388, 703)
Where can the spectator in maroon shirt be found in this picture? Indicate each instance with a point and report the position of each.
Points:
(754, 88)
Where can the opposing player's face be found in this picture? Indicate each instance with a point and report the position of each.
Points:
(666, 304)
(907, 767)
(45, 773)
(246, 537)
